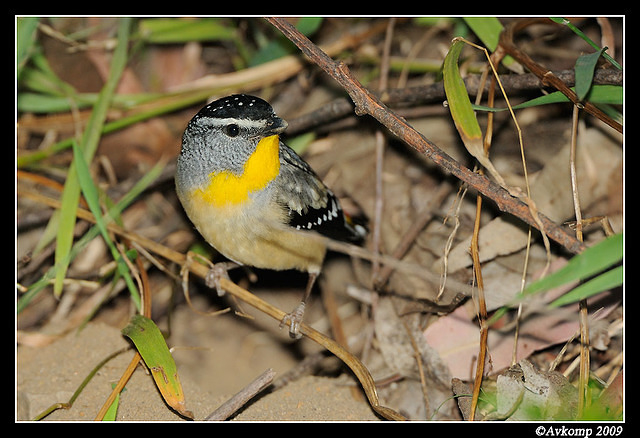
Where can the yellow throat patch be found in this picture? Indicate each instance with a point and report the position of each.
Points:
(261, 168)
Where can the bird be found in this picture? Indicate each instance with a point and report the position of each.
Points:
(253, 198)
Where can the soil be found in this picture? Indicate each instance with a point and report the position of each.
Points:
(216, 357)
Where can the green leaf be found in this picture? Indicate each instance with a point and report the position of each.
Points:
(584, 68)
(605, 281)
(488, 30)
(464, 117)
(457, 97)
(111, 413)
(182, 30)
(591, 261)
(156, 355)
(90, 192)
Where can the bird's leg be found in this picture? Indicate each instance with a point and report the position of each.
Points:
(217, 272)
(294, 318)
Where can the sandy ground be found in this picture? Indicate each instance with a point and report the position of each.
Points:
(215, 356)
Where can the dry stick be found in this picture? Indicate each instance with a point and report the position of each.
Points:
(242, 397)
(477, 269)
(367, 103)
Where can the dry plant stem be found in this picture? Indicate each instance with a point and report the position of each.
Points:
(331, 306)
(419, 362)
(229, 407)
(128, 372)
(380, 147)
(482, 311)
(507, 46)
(495, 59)
(178, 258)
(379, 203)
(367, 103)
(585, 362)
(477, 269)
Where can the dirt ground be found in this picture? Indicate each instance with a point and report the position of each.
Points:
(216, 356)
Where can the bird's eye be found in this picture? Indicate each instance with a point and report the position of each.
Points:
(232, 130)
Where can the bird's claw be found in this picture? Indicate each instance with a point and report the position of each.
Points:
(293, 320)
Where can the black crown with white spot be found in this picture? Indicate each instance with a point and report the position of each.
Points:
(237, 106)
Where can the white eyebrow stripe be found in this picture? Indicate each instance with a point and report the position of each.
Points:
(243, 123)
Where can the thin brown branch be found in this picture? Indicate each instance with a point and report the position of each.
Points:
(434, 93)
(367, 103)
(507, 46)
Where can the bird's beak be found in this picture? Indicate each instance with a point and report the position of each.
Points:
(276, 125)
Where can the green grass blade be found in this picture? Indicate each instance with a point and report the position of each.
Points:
(26, 30)
(92, 233)
(605, 281)
(588, 40)
(598, 94)
(591, 261)
(111, 413)
(90, 192)
(91, 137)
(40, 77)
(184, 30)
(588, 263)
(156, 355)
(462, 113)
